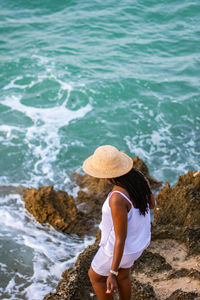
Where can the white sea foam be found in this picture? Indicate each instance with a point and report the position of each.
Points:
(45, 252)
(10, 130)
(10, 285)
(42, 137)
(12, 84)
(159, 143)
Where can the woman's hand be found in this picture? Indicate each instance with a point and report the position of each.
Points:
(111, 284)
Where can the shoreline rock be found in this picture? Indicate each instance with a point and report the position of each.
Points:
(178, 212)
(58, 209)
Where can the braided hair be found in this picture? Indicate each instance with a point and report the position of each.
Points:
(136, 185)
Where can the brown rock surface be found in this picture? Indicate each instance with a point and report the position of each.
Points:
(91, 195)
(178, 212)
(180, 295)
(56, 208)
(179, 205)
(166, 266)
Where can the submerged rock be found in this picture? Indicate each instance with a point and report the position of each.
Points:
(10, 189)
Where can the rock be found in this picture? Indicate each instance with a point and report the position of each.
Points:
(180, 295)
(10, 189)
(149, 263)
(177, 212)
(92, 194)
(192, 238)
(180, 205)
(142, 291)
(56, 208)
(183, 272)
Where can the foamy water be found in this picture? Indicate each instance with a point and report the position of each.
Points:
(34, 255)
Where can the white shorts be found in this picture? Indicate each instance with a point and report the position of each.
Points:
(101, 263)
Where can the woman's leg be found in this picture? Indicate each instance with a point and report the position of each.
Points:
(99, 285)
(124, 284)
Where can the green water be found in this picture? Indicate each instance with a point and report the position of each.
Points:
(133, 66)
(79, 74)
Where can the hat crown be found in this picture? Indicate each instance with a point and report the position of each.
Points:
(105, 156)
(107, 162)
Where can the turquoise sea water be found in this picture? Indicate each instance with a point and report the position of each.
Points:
(79, 74)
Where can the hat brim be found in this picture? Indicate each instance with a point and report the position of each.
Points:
(125, 165)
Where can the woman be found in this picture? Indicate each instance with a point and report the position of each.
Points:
(125, 226)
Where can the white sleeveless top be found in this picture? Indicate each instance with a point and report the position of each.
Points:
(138, 229)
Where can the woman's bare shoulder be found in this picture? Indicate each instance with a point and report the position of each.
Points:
(118, 200)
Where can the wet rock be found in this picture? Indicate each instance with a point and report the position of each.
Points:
(56, 208)
(180, 295)
(177, 213)
(10, 189)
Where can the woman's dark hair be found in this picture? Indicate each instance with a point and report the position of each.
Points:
(136, 185)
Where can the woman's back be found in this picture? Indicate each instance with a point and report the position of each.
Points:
(138, 228)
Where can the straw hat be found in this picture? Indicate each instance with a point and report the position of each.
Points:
(107, 162)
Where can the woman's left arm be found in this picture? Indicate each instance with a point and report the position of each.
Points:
(119, 211)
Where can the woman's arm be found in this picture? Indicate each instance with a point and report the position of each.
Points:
(119, 210)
